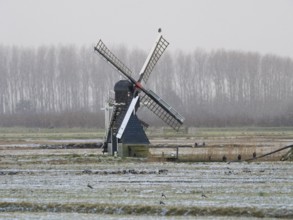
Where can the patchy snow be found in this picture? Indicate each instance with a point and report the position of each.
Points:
(122, 185)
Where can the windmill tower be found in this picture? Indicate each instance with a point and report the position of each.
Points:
(125, 133)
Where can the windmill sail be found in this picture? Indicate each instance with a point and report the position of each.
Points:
(126, 118)
(155, 54)
(111, 58)
(162, 109)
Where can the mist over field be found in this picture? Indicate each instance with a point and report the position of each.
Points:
(55, 86)
(51, 77)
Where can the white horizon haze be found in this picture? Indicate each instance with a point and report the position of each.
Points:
(263, 26)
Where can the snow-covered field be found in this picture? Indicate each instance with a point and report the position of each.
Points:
(83, 184)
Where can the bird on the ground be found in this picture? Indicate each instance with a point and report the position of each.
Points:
(162, 203)
(224, 158)
(239, 157)
(254, 154)
(164, 196)
(203, 195)
(89, 186)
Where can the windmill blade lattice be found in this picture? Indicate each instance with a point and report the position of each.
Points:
(162, 109)
(152, 59)
(111, 58)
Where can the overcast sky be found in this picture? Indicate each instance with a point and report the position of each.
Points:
(264, 26)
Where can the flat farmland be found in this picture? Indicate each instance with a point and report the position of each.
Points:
(53, 183)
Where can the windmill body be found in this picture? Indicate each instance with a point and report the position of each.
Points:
(125, 133)
(133, 133)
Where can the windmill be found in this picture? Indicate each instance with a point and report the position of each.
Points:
(125, 130)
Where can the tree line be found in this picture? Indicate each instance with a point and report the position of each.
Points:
(68, 85)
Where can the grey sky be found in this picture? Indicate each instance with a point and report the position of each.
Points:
(263, 26)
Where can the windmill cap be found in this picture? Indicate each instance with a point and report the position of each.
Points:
(123, 85)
